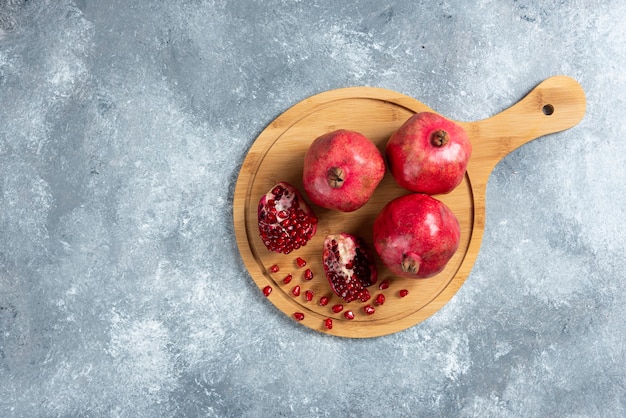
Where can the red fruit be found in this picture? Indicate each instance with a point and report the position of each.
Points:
(308, 274)
(286, 222)
(369, 309)
(349, 266)
(428, 154)
(267, 290)
(403, 293)
(416, 235)
(274, 268)
(287, 279)
(296, 291)
(341, 170)
(298, 316)
(308, 295)
(328, 323)
(383, 285)
(380, 299)
(337, 308)
(301, 262)
(324, 300)
(348, 315)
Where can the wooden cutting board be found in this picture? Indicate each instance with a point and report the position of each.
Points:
(556, 104)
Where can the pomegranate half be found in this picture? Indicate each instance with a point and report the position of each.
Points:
(286, 221)
(349, 266)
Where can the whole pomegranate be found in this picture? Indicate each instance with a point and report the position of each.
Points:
(349, 266)
(428, 154)
(341, 170)
(286, 221)
(416, 235)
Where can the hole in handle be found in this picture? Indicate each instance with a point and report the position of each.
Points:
(547, 109)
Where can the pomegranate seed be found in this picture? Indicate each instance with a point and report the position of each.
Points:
(328, 323)
(301, 262)
(274, 268)
(403, 293)
(298, 315)
(308, 295)
(267, 290)
(383, 285)
(296, 291)
(369, 309)
(308, 274)
(287, 279)
(380, 299)
(337, 308)
(324, 301)
(349, 315)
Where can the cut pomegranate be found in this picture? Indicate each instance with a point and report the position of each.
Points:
(337, 308)
(384, 285)
(287, 279)
(274, 268)
(380, 299)
(349, 315)
(328, 323)
(296, 291)
(349, 266)
(403, 293)
(324, 300)
(286, 222)
(308, 295)
(267, 290)
(308, 274)
(298, 316)
(301, 262)
(369, 309)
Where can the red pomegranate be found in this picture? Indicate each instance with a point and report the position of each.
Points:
(341, 170)
(416, 235)
(428, 154)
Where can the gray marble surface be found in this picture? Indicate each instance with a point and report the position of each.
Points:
(123, 126)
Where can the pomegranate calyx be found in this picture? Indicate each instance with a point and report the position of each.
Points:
(335, 176)
(439, 138)
(411, 263)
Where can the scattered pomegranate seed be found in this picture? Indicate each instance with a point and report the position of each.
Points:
(298, 315)
(380, 299)
(267, 290)
(328, 323)
(383, 285)
(337, 308)
(296, 291)
(349, 315)
(308, 295)
(403, 293)
(324, 300)
(301, 262)
(274, 268)
(308, 274)
(369, 309)
(287, 279)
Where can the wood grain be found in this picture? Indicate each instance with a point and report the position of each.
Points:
(277, 154)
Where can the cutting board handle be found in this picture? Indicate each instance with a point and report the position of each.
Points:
(556, 104)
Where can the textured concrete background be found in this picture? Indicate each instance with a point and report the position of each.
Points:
(122, 129)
